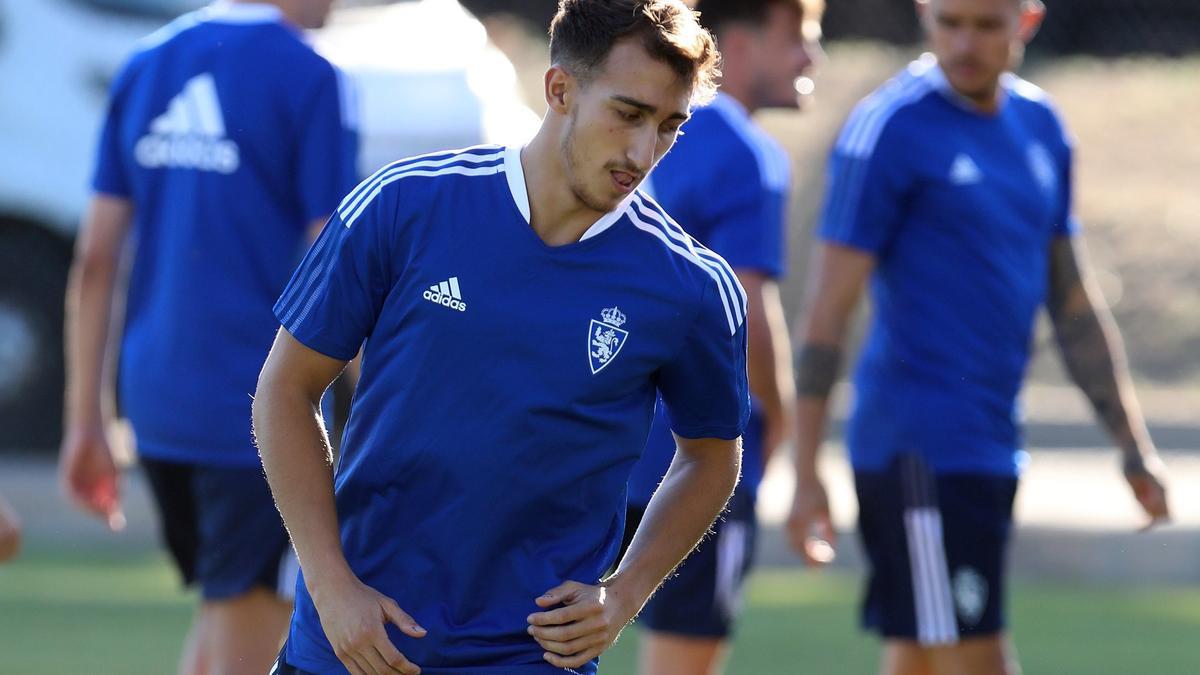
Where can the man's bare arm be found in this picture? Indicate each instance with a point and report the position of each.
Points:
(691, 496)
(769, 361)
(298, 462)
(86, 468)
(839, 276)
(1095, 358)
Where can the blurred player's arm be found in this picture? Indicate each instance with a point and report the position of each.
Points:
(838, 279)
(86, 468)
(692, 494)
(298, 462)
(1095, 358)
(10, 531)
(769, 358)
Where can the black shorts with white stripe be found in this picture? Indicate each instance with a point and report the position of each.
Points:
(936, 545)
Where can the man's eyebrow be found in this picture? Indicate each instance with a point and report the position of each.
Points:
(645, 107)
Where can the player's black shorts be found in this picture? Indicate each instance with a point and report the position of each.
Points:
(222, 529)
(937, 546)
(704, 596)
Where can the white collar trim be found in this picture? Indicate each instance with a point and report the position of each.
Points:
(243, 12)
(520, 194)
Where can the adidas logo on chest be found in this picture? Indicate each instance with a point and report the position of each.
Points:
(446, 294)
(191, 133)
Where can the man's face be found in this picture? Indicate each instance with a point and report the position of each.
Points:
(784, 51)
(621, 123)
(975, 41)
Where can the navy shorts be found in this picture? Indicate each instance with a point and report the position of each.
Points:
(222, 529)
(704, 596)
(936, 545)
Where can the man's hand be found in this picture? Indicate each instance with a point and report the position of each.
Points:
(809, 526)
(587, 624)
(1146, 479)
(89, 476)
(353, 617)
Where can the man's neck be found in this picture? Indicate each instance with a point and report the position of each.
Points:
(555, 213)
(739, 92)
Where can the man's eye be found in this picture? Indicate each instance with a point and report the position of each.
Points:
(628, 116)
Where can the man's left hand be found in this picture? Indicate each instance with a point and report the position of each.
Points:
(587, 623)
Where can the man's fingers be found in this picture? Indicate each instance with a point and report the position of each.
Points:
(573, 661)
(558, 595)
(572, 647)
(401, 619)
(570, 631)
(388, 659)
(562, 615)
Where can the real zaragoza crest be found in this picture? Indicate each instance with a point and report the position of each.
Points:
(606, 338)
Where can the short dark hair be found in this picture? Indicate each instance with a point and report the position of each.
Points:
(716, 15)
(583, 32)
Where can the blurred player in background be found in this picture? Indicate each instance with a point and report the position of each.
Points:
(727, 183)
(520, 307)
(10, 531)
(227, 142)
(950, 190)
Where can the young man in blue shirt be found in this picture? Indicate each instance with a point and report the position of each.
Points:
(227, 142)
(950, 191)
(727, 182)
(520, 308)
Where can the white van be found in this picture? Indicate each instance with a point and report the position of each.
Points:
(427, 78)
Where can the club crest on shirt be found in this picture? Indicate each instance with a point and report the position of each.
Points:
(606, 338)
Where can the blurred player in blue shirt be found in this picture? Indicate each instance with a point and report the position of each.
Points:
(227, 142)
(520, 308)
(950, 191)
(727, 182)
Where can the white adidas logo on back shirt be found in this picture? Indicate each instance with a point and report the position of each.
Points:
(446, 294)
(191, 133)
(964, 171)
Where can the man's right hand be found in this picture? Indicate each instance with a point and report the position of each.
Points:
(353, 617)
(89, 476)
(809, 526)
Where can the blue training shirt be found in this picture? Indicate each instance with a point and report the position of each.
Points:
(726, 182)
(960, 209)
(507, 388)
(229, 134)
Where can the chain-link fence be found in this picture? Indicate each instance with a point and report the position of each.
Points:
(1097, 27)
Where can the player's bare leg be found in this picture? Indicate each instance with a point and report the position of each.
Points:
(192, 660)
(904, 657)
(991, 655)
(669, 654)
(244, 634)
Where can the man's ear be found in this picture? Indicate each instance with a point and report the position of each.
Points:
(1032, 14)
(560, 88)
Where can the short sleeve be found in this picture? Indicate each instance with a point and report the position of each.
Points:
(334, 298)
(748, 224)
(327, 144)
(865, 190)
(1065, 222)
(704, 388)
(111, 172)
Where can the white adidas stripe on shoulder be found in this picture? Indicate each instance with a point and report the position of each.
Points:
(658, 213)
(653, 221)
(433, 164)
(866, 123)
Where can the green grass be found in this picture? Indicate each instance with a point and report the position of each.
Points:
(107, 612)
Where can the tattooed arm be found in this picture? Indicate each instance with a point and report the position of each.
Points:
(1095, 358)
(837, 283)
